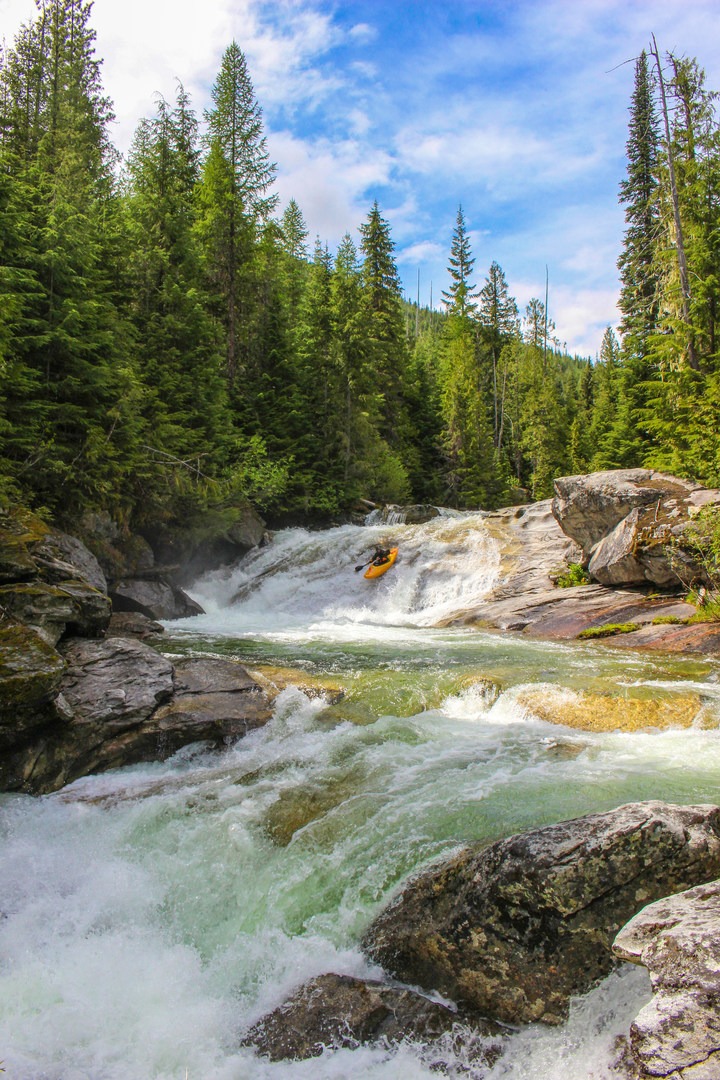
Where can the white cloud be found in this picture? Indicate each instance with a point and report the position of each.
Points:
(363, 32)
(359, 122)
(425, 251)
(329, 180)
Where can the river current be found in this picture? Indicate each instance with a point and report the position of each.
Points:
(149, 915)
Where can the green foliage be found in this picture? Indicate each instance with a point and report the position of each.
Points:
(695, 556)
(253, 475)
(167, 347)
(609, 630)
(708, 609)
(572, 577)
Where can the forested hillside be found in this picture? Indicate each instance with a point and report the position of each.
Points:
(172, 340)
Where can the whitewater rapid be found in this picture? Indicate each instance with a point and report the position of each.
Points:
(150, 915)
(308, 580)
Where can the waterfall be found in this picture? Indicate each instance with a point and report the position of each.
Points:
(305, 578)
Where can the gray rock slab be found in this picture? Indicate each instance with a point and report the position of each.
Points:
(515, 929)
(117, 682)
(678, 940)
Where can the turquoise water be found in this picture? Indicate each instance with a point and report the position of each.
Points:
(153, 913)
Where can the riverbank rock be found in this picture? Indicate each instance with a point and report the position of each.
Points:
(132, 624)
(628, 523)
(534, 550)
(678, 940)
(342, 1011)
(30, 675)
(513, 930)
(121, 702)
(116, 682)
(156, 599)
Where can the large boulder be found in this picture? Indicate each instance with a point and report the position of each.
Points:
(121, 703)
(61, 557)
(629, 524)
(53, 610)
(678, 940)
(156, 599)
(213, 700)
(342, 1011)
(517, 928)
(116, 682)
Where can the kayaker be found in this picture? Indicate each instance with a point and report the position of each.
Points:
(379, 556)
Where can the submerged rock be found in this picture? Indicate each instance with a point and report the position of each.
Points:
(515, 929)
(678, 940)
(342, 1011)
(608, 712)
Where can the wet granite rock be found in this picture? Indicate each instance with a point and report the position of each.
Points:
(117, 682)
(342, 1011)
(156, 599)
(513, 930)
(215, 700)
(678, 940)
(133, 624)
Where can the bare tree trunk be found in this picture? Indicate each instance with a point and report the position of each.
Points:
(680, 243)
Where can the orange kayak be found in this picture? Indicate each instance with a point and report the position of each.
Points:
(376, 570)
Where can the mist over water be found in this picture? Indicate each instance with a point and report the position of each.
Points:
(151, 914)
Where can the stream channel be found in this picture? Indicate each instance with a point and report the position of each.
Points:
(149, 915)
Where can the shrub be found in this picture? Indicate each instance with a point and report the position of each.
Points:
(573, 576)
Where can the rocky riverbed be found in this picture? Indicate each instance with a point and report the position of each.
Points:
(506, 933)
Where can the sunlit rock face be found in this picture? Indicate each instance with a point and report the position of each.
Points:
(517, 928)
(678, 940)
(628, 522)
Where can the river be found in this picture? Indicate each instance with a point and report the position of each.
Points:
(150, 914)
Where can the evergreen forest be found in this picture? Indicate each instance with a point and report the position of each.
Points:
(173, 343)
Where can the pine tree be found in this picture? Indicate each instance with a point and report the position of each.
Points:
(638, 192)
(179, 349)
(460, 298)
(294, 231)
(385, 324)
(471, 465)
(234, 204)
(499, 317)
(67, 347)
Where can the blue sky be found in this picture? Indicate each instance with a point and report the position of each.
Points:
(516, 110)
